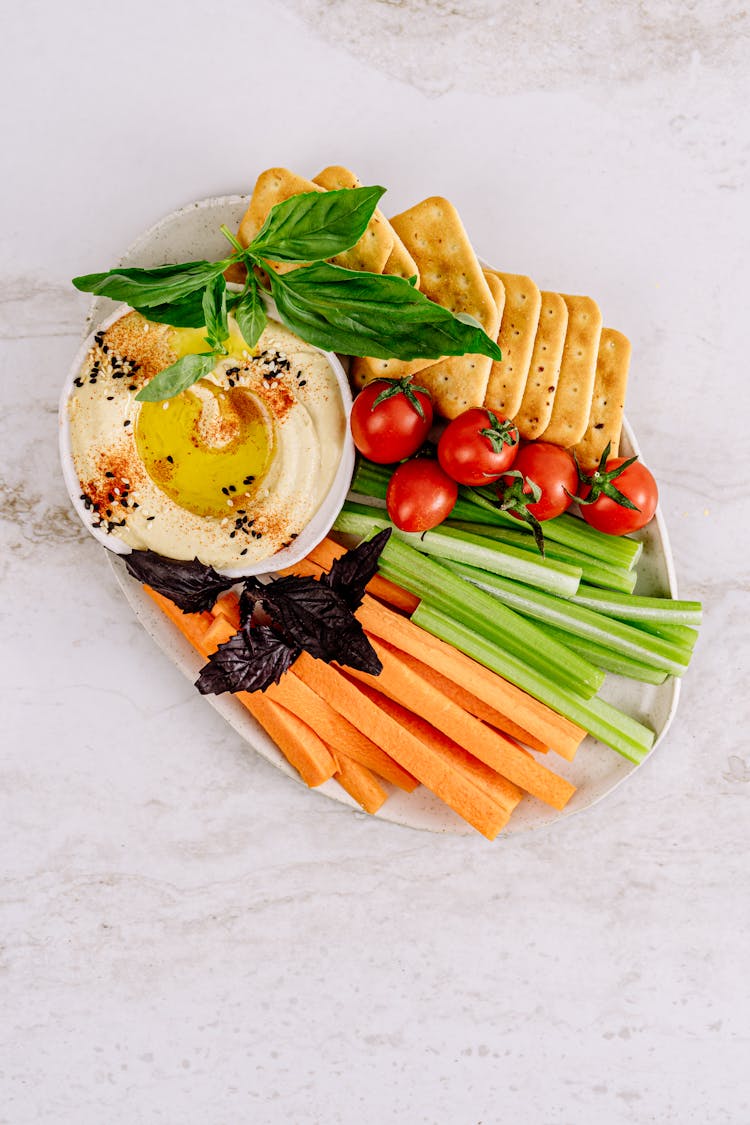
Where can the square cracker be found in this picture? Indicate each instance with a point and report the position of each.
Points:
(533, 415)
(516, 341)
(575, 384)
(459, 382)
(608, 399)
(376, 245)
(449, 274)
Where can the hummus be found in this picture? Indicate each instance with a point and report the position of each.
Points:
(229, 471)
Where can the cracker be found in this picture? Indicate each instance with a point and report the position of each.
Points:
(575, 384)
(608, 399)
(449, 274)
(400, 261)
(374, 248)
(516, 341)
(449, 271)
(272, 186)
(533, 415)
(459, 382)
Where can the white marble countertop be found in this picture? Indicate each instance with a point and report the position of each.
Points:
(187, 936)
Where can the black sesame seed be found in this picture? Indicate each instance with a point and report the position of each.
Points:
(149, 518)
(170, 458)
(243, 551)
(225, 491)
(126, 422)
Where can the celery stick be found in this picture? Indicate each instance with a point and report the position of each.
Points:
(448, 543)
(580, 621)
(606, 658)
(614, 728)
(459, 546)
(683, 635)
(424, 577)
(632, 607)
(356, 523)
(593, 572)
(568, 530)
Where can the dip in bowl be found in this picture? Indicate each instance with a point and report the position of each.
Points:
(245, 470)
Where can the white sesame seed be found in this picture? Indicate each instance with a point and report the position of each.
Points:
(165, 406)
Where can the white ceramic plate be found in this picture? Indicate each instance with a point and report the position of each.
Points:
(193, 232)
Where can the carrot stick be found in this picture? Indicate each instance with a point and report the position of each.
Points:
(498, 788)
(444, 780)
(342, 736)
(544, 725)
(191, 625)
(360, 784)
(535, 718)
(219, 631)
(228, 605)
(298, 743)
(401, 683)
(470, 702)
(394, 596)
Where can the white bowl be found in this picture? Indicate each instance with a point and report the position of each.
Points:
(313, 532)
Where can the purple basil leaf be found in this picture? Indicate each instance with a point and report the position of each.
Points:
(192, 586)
(315, 617)
(350, 574)
(353, 649)
(251, 660)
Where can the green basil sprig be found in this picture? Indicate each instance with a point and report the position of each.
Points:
(336, 309)
(316, 224)
(372, 314)
(170, 381)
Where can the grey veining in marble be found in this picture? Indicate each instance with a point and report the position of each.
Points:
(186, 936)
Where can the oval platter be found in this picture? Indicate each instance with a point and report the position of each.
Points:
(193, 232)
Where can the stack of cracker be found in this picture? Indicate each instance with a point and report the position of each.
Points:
(562, 378)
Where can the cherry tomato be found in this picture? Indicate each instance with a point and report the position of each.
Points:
(394, 427)
(420, 495)
(478, 446)
(553, 470)
(637, 484)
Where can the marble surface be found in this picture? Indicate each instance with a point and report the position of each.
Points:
(187, 936)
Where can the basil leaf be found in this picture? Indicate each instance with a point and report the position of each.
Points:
(315, 224)
(177, 377)
(350, 574)
(250, 315)
(215, 310)
(185, 313)
(251, 660)
(144, 288)
(191, 585)
(371, 314)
